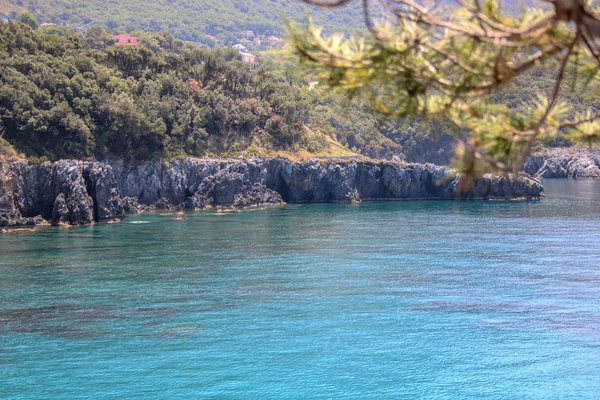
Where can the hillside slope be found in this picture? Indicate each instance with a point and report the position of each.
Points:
(188, 19)
(67, 95)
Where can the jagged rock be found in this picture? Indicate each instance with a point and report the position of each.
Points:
(572, 163)
(60, 211)
(162, 204)
(256, 195)
(75, 206)
(354, 196)
(102, 187)
(130, 205)
(197, 202)
(505, 187)
(9, 214)
(78, 192)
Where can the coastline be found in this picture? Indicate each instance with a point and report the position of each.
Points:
(72, 192)
(569, 163)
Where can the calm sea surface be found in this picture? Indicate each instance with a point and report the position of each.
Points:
(440, 300)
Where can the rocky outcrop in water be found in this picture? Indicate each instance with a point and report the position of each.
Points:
(79, 192)
(572, 163)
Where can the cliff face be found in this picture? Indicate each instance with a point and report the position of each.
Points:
(78, 192)
(575, 163)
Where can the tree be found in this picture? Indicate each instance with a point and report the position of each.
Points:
(98, 38)
(449, 63)
(71, 95)
(29, 19)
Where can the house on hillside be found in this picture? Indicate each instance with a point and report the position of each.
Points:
(273, 39)
(125, 40)
(251, 60)
(249, 34)
(44, 24)
(240, 47)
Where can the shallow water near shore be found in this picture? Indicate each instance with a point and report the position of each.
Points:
(429, 299)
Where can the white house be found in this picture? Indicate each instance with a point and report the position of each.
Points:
(251, 60)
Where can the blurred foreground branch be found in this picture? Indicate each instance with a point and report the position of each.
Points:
(448, 61)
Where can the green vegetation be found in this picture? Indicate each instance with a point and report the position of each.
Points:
(190, 20)
(510, 80)
(68, 96)
(28, 19)
(64, 94)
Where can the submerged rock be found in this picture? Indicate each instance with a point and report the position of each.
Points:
(78, 192)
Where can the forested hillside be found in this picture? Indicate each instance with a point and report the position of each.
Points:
(190, 20)
(67, 94)
(63, 94)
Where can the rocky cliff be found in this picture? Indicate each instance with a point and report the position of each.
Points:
(79, 192)
(572, 163)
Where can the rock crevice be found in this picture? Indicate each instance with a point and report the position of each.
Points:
(80, 192)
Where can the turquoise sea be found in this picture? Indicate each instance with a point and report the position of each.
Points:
(405, 300)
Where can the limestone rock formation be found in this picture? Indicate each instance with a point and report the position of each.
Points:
(79, 192)
(573, 163)
(102, 187)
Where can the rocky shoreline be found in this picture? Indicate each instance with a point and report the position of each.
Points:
(71, 192)
(571, 163)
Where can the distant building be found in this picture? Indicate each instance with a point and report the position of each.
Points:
(125, 40)
(245, 41)
(240, 47)
(312, 85)
(249, 34)
(211, 37)
(257, 41)
(273, 39)
(251, 60)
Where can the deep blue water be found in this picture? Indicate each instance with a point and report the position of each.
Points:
(439, 300)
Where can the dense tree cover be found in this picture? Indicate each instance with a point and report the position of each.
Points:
(188, 20)
(67, 95)
(169, 121)
(64, 94)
